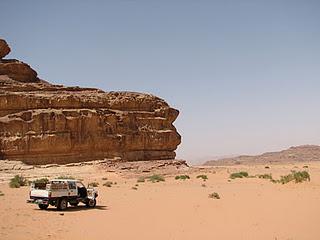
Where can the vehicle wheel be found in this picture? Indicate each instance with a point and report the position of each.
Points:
(62, 204)
(91, 203)
(43, 206)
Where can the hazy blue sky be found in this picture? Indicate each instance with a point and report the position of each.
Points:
(245, 75)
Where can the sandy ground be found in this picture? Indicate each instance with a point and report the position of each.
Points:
(249, 208)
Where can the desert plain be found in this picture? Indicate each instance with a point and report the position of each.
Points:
(248, 208)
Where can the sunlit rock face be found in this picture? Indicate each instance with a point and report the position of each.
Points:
(42, 123)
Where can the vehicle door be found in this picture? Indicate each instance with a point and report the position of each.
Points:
(72, 189)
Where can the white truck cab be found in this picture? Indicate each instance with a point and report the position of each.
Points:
(61, 192)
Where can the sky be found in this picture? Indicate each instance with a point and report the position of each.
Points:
(245, 75)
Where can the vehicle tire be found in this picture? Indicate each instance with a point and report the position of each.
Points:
(91, 203)
(43, 206)
(62, 204)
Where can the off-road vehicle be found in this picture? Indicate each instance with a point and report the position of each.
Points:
(61, 192)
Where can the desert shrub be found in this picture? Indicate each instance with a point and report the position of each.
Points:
(104, 178)
(295, 176)
(156, 178)
(18, 181)
(66, 177)
(182, 177)
(306, 166)
(239, 175)
(115, 183)
(267, 167)
(134, 188)
(265, 176)
(203, 177)
(41, 180)
(141, 179)
(214, 195)
(301, 176)
(108, 184)
(1, 194)
(203, 185)
(93, 184)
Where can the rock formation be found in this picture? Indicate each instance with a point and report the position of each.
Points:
(304, 153)
(42, 123)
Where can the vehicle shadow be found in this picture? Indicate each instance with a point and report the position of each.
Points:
(76, 209)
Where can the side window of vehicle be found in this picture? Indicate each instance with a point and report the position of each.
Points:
(72, 185)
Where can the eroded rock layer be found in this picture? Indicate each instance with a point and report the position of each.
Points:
(42, 123)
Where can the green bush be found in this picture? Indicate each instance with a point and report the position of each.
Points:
(295, 176)
(214, 195)
(18, 181)
(156, 178)
(265, 176)
(203, 177)
(108, 184)
(41, 180)
(239, 175)
(182, 177)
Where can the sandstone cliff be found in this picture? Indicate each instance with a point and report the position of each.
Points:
(43, 123)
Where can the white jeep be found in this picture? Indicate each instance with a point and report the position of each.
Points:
(60, 192)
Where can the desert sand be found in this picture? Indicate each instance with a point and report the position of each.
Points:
(249, 208)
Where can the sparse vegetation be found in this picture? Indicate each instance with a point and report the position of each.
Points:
(41, 180)
(18, 181)
(203, 185)
(182, 177)
(295, 176)
(134, 188)
(108, 184)
(156, 178)
(141, 179)
(239, 175)
(104, 178)
(203, 177)
(1, 194)
(265, 176)
(306, 166)
(214, 195)
(93, 184)
(65, 177)
(299, 176)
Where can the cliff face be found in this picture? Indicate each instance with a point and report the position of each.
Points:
(43, 123)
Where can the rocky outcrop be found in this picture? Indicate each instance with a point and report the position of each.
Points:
(42, 123)
(4, 48)
(304, 153)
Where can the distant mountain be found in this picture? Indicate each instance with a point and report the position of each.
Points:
(304, 153)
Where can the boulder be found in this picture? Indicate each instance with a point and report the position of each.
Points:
(4, 48)
(18, 71)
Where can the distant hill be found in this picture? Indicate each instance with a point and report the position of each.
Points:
(304, 153)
